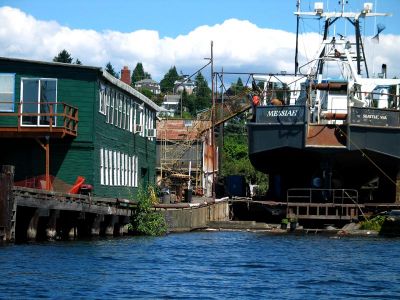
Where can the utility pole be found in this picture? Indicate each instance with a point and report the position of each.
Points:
(213, 122)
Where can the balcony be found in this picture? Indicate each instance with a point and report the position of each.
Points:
(40, 119)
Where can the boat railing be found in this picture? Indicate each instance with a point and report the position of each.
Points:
(315, 195)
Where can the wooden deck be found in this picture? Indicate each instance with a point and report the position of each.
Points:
(57, 120)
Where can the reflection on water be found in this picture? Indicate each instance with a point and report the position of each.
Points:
(204, 265)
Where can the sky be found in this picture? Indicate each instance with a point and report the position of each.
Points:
(248, 35)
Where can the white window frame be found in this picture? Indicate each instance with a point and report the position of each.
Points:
(115, 167)
(110, 163)
(112, 99)
(107, 95)
(106, 172)
(10, 91)
(122, 169)
(120, 110)
(101, 166)
(102, 99)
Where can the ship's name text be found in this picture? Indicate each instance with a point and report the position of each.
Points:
(374, 117)
(282, 113)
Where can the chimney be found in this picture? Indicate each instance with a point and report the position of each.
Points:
(126, 75)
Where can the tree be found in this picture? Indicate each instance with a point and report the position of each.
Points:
(202, 92)
(167, 83)
(63, 57)
(147, 93)
(110, 69)
(236, 88)
(139, 74)
(236, 161)
(78, 62)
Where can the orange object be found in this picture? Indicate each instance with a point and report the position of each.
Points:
(256, 100)
(77, 185)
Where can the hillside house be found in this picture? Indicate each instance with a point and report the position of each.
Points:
(148, 84)
(60, 121)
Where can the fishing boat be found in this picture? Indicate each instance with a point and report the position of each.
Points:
(331, 127)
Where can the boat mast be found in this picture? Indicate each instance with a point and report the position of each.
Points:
(296, 61)
(354, 19)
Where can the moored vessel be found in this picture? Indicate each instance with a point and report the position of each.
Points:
(330, 131)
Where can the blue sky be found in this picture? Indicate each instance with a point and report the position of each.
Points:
(173, 17)
(248, 35)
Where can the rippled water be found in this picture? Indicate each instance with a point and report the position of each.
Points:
(204, 265)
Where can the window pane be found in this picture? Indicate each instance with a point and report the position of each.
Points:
(30, 101)
(48, 98)
(7, 92)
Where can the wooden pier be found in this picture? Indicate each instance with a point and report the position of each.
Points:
(30, 214)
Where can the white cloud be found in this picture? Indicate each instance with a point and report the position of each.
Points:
(238, 46)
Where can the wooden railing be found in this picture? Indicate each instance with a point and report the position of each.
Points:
(50, 116)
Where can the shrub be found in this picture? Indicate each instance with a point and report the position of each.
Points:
(373, 224)
(145, 220)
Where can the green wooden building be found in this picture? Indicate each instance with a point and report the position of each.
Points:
(60, 121)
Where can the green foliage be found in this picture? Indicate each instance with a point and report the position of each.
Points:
(158, 99)
(202, 95)
(110, 69)
(139, 74)
(236, 88)
(373, 224)
(235, 156)
(167, 83)
(147, 93)
(145, 220)
(65, 57)
(285, 221)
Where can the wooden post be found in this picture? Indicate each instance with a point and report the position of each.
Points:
(46, 147)
(6, 201)
(397, 200)
(47, 164)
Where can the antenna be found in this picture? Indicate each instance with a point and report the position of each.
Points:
(343, 2)
(296, 61)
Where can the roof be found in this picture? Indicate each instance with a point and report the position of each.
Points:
(50, 63)
(147, 80)
(178, 130)
(122, 85)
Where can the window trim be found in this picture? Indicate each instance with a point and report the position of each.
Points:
(13, 92)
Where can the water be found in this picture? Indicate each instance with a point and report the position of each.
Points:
(204, 265)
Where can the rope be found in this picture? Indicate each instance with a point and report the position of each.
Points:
(367, 157)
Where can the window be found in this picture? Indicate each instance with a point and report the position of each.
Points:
(102, 99)
(115, 167)
(7, 82)
(120, 110)
(107, 96)
(110, 163)
(112, 99)
(116, 110)
(122, 169)
(106, 173)
(123, 112)
(102, 166)
(38, 97)
(118, 168)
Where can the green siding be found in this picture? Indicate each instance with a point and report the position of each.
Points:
(110, 137)
(80, 156)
